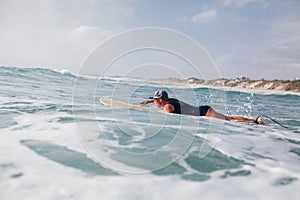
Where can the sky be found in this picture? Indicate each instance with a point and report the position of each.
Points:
(244, 38)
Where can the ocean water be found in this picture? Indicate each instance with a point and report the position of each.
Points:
(57, 141)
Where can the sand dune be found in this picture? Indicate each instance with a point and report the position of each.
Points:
(262, 85)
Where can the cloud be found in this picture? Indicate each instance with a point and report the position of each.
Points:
(122, 10)
(53, 33)
(203, 17)
(283, 57)
(90, 32)
(290, 50)
(285, 40)
(285, 27)
(241, 3)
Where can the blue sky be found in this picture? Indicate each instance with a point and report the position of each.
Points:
(252, 38)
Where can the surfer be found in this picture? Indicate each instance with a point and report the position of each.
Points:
(170, 105)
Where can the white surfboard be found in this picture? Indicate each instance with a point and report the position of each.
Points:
(120, 104)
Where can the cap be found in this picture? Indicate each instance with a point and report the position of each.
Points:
(160, 94)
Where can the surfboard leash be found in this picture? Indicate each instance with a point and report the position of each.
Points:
(273, 120)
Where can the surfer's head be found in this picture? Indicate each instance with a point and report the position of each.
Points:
(160, 94)
(160, 97)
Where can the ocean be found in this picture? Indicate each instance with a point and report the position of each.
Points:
(58, 141)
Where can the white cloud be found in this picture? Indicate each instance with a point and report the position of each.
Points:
(90, 32)
(53, 33)
(203, 17)
(241, 3)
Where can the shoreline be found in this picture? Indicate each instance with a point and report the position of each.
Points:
(242, 84)
(240, 89)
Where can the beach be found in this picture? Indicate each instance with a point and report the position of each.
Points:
(242, 84)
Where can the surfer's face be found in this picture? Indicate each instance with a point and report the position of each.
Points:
(158, 103)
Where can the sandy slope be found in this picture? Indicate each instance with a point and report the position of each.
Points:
(244, 84)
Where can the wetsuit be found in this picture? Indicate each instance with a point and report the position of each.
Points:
(181, 107)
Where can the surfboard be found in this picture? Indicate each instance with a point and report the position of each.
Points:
(119, 104)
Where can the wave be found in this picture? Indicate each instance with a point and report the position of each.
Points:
(38, 73)
(47, 74)
(68, 73)
(42, 124)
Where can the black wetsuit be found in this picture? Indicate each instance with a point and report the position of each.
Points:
(181, 107)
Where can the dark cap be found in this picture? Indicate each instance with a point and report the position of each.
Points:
(160, 94)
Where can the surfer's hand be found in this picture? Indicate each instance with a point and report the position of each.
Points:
(144, 102)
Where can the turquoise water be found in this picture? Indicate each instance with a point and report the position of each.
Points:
(57, 137)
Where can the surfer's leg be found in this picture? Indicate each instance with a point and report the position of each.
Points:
(212, 113)
(248, 120)
(241, 119)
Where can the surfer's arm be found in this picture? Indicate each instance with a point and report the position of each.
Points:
(168, 108)
(147, 101)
